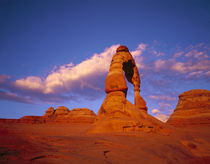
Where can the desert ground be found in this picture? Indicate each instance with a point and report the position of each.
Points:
(71, 143)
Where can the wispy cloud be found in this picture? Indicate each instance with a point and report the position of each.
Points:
(189, 62)
(14, 97)
(162, 97)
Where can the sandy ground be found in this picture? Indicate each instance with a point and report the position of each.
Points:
(70, 143)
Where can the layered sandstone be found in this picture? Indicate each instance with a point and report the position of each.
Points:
(193, 108)
(117, 114)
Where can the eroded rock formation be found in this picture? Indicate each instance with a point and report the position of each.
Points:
(31, 120)
(83, 115)
(193, 108)
(61, 115)
(117, 114)
(49, 112)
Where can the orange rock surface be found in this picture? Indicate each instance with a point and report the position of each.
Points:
(123, 62)
(81, 115)
(193, 108)
(31, 120)
(70, 143)
(49, 112)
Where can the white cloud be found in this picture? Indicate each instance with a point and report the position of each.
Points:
(161, 97)
(89, 75)
(155, 111)
(31, 82)
(70, 76)
(195, 74)
(192, 61)
(139, 50)
(159, 64)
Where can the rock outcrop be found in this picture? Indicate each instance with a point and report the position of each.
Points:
(49, 112)
(81, 115)
(31, 120)
(117, 114)
(193, 108)
(61, 115)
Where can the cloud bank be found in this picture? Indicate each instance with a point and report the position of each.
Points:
(161, 72)
(67, 80)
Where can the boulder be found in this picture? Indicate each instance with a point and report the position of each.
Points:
(193, 108)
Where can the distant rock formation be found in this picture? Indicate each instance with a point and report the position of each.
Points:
(117, 114)
(193, 108)
(31, 120)
(83, 115)
(61, 115)
(49, 113)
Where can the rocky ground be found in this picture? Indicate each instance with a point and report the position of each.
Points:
(70, 143)
(120, 134)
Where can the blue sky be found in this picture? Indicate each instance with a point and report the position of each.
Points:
(57, 52)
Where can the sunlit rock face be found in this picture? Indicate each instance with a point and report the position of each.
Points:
(49, 112)
(81, 115)
(117, 114)
(64, 115)
(123, 63)
(193, 108)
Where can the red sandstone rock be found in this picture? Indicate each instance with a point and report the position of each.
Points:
(193, 108)
(123, 63)
(31, 119)
(64, 115)
(61, 110)
(49, 112)
(117, 114)
(3, 120)
(81, 115)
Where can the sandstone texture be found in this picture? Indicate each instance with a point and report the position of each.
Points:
(70, 144)
(193, 108)
(116, 113)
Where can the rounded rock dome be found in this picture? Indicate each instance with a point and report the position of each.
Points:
(122, 48)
